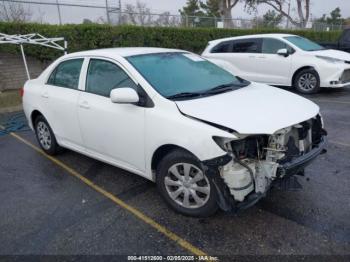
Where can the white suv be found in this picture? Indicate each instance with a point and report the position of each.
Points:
(282, 60)
(207, 138)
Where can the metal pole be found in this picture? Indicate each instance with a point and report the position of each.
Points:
(120, 12)
(65, 43)
(107, 13)
(59, 12)
(25, 62)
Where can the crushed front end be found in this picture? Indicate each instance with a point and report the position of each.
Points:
(259, 161)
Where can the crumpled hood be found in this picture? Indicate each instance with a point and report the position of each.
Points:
(255, 109)
(333, 54)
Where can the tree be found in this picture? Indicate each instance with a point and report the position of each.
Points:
(14, 12)
(87, 21)
(271, 19)
(226, 7)
(192, 8)
(211, 7)
(138, 14)
(281, 6)
(336, 17)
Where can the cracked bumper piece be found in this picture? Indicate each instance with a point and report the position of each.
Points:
(298, 164)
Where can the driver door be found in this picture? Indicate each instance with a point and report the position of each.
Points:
(111, 132)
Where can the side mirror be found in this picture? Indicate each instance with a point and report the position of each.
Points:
(124, 95)
(283, 52)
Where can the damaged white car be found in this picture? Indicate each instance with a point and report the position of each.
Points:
(207, 138)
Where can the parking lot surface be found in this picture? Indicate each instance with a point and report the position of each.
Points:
(48, 211)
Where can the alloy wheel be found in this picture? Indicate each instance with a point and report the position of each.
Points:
(44, 135)
(307, 82)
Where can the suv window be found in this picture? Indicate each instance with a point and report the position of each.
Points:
(66, 74)
(224, 47)
(252, 45)
(271, 46)
(103, 76)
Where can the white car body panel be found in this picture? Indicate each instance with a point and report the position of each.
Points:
(274, 69)
(256, 109)
(129, 135)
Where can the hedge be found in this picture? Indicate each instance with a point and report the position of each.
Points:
(92, 36)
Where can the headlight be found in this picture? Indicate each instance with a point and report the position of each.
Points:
(331, 60)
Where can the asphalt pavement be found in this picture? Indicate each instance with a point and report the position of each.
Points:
(45, 210)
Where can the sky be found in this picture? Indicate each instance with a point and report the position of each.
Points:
(76, 15)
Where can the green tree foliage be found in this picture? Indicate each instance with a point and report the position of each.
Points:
(93, 36)
(211, 7)
(271, 19)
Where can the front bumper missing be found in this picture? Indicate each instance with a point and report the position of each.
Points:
(298, 164)
(284, 172)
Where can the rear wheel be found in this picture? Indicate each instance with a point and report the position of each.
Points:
(45, 136)
(185, 186)
(307, 81)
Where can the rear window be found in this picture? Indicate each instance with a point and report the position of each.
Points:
(224, 47)
(252, 45)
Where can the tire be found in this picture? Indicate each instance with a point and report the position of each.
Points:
(307, 81)
(175, 189)
(45, 136)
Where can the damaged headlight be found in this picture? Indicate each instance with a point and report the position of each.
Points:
(222, 142)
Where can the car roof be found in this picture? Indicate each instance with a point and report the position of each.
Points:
(123, 52)
(250, 36)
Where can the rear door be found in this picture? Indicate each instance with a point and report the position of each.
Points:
(112, 132)
(60, 97)
(242, 54)
(272, 68)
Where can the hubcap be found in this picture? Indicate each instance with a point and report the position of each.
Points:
(44, 135)
(187, 185)
(307, 82)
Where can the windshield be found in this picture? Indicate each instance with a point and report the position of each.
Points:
(174, 74)
(303, 43)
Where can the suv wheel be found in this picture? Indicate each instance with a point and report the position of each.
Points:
(307, 81)
(45, 136)
(184, 185)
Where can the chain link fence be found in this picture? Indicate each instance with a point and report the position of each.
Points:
(111, 12)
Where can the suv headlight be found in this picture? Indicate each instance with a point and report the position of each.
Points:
(331, 60)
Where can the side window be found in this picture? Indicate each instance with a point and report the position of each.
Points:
(271, 46)
(252, 45)
(103, 76)
(224, 47)
(66, 74)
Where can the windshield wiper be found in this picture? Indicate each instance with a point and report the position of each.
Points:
(225, 88)
(184, 95)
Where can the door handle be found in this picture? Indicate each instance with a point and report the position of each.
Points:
(252, 56)
(263, 57)
(45, 95)
(84, 105)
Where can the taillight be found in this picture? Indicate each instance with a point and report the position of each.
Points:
(21, 92)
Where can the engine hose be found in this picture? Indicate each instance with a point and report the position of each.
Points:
(250, 173)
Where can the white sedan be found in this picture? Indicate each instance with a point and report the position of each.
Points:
(281, 60)
(207, 138)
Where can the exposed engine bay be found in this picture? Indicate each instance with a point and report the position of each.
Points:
(260, 159)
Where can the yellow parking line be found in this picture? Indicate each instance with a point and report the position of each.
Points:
(180, 241)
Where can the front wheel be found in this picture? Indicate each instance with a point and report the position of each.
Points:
(307, 81)
(184, 185)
